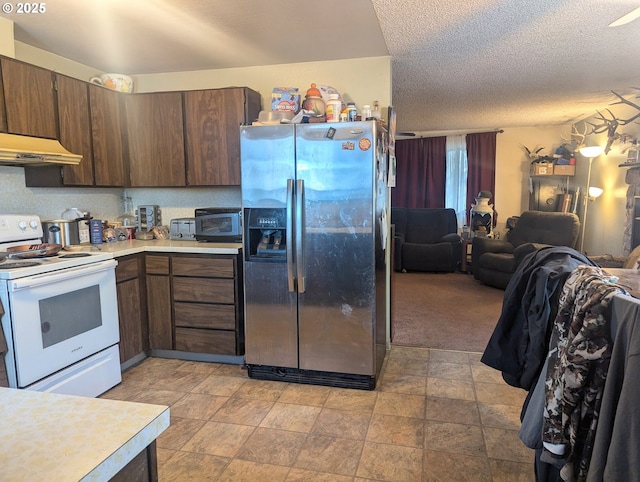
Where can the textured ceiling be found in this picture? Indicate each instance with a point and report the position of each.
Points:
(477, 64)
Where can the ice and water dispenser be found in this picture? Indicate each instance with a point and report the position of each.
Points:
(266, 234)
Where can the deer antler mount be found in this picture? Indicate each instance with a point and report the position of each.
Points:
(610, 124)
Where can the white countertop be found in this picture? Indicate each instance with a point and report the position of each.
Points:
(134, 246)
(53, 437)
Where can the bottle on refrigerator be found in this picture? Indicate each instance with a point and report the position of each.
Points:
(352, 112)
(376, 110)
(333, 108)
(366, 112)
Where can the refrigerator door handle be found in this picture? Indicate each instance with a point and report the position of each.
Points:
(289, 236)
(299, 234)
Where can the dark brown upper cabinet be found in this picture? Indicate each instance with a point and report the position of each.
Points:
(155, 133)
(75, 135)
(29, 98)
(212, 126)
(3, 111)
(140, 140)
(108, 136)
(75, 129)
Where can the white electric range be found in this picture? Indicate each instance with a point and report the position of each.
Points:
(61, 315)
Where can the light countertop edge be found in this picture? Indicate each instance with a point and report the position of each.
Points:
(135, 246)
(64, 437)
(127, 452)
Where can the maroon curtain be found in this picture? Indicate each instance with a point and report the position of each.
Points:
(420, 173)
(481, 164)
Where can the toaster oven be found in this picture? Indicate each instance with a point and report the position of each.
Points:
(219, 225)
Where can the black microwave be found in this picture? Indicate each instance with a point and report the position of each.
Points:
(219, 225)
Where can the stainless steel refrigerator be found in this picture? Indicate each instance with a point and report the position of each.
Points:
(315, 280)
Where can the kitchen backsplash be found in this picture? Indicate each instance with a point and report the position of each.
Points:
(106, 203)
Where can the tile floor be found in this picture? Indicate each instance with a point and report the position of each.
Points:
(435, 416)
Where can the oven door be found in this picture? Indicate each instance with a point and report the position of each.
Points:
(62, 317)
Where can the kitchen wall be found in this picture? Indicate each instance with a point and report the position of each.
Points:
(47, 203)
(105, 203)
(6, 38)
(361, 80)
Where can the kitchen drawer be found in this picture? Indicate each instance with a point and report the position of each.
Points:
(203, 267)
(157, 264)
(204, 290)
(206, 341)
(127, 269)
(196, 315)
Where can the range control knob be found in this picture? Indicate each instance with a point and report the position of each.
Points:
(33, 224)
(22, 225)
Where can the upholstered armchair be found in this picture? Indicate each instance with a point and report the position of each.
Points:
(493, 261)
(426, 239)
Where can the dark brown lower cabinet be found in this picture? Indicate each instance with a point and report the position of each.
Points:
(159, 302)
(131, 307)
(195, 303)
(207, 304)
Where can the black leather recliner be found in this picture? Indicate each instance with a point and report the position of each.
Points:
(493, 261)
(426, 239)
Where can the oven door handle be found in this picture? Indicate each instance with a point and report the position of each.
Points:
(61, 275)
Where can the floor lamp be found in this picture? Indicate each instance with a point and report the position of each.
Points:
(590, 153)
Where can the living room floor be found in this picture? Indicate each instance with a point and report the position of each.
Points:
(435, 415)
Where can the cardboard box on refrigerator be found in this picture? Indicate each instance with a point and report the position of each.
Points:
(285, 99)
(564, 170)
(542, 169)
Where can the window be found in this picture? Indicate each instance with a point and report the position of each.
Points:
(456, 178)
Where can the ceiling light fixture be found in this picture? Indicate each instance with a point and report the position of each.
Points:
(631, 16)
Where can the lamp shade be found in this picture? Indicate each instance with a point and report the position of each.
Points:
(591, 151)
(595, 192)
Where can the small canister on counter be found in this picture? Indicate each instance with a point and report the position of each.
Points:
(95, 226)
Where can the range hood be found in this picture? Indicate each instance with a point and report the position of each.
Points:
(18, 150)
